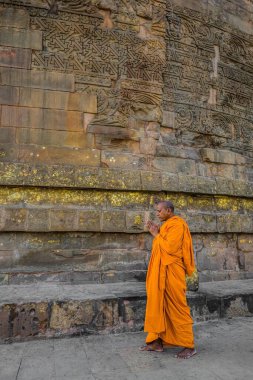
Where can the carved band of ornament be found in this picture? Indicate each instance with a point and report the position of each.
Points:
(140, 97)
(139, 86)
(204, 17)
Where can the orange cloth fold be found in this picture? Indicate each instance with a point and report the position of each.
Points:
(167, 314)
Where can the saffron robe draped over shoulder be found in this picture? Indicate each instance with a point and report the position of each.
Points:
(167, 314)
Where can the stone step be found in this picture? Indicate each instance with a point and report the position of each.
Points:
(54, 310)
(31, 275)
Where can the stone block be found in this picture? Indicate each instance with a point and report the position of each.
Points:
(217, 258)
(14, 17)
(22, 174)
(7, 135)
(188, 184)
(122, 160)
(37, 79)
(242, 188)
(9, 152)
(113, 221)
(86, 314)
(129, 200)
(14, 57)
(10, 174)
(89, 221)
(87, 177)
(14, 219)
(42, 118)
(56, 155)
(224, 203)
(63, 220)
(26, 39)
(170, 182)
(151, 180)
(234, 223)
(30, 319)
(224, 186)
(38, 220)
(119, 179)
(168, 119)
(56, 175)
(54, 138)
(245, 243)
(82, 102)
(8, 241)
(222, 156)
(200, 204)
(202, 222)
(135, 221)
(38, 98)
(70, 314)
(9, 95)
(175, 165)
(248, 261)
(8, 258)
(148, 146)
(206, 185)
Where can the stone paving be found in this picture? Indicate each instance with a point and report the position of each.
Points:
(224, 347)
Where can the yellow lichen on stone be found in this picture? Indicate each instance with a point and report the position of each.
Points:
(227, 203)
(137, 219)
(201, 202)
(118, 199)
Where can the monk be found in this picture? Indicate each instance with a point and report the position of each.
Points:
(168, 320)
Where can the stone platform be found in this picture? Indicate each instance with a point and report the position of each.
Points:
(53, 310)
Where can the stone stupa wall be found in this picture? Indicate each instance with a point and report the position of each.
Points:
(107, 106)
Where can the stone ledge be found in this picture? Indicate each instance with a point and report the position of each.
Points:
(72, 218)
(84, 177)
(50, 310)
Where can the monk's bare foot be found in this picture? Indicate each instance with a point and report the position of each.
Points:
(156, 346)
(186, 353)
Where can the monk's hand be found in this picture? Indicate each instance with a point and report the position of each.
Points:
(153, 228)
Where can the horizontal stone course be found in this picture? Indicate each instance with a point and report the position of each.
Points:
(26, 39)
(222, 156)
(218, 256)
(32, 97)
(58, 155)
(37, 79)
(72, 211)
(48, 99)
(15, 57)
(14, 17)
(109, 178)
(9, 95)
(47, 138)
(42, 118)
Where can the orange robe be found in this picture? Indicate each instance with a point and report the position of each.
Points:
(167, 314)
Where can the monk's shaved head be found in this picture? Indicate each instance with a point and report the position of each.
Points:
(166, 204)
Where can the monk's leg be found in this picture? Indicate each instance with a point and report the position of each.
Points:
(178, 320)
(186, 353)
(156, 345)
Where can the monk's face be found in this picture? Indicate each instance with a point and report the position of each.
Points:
(163, 213)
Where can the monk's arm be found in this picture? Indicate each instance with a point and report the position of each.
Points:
(170, 241)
